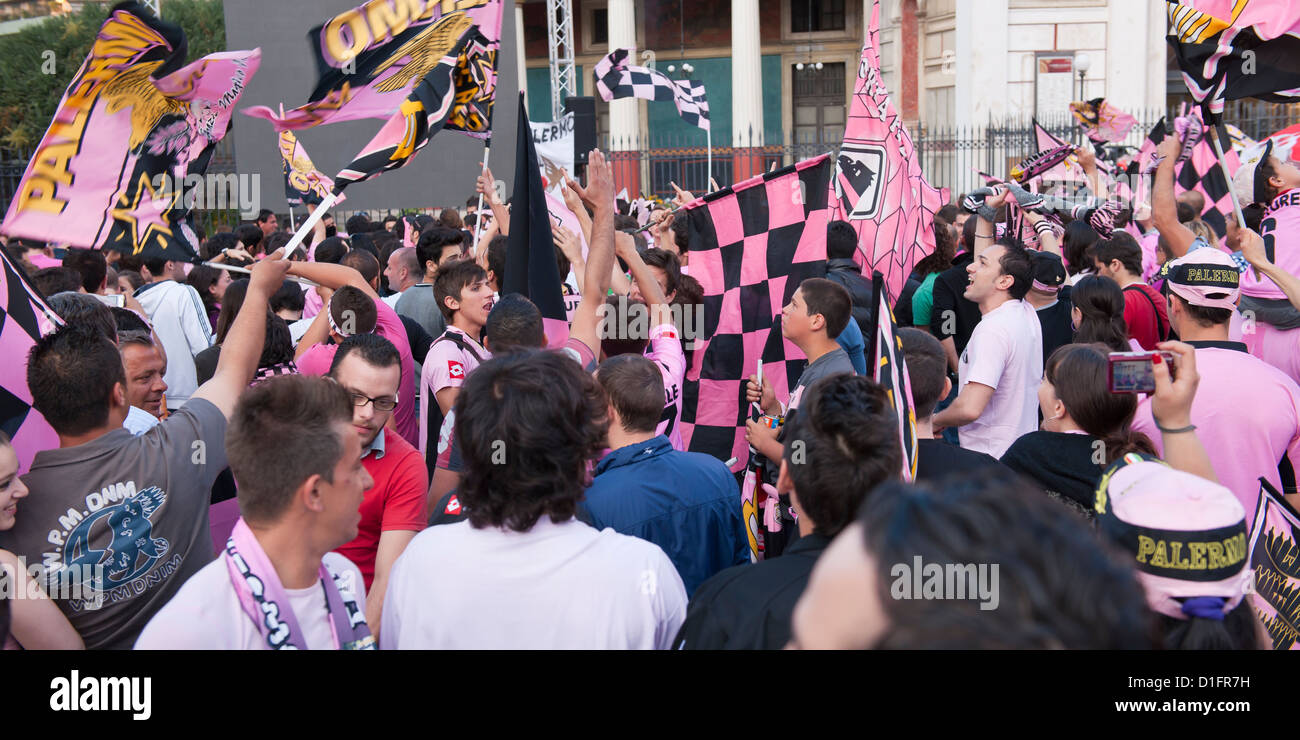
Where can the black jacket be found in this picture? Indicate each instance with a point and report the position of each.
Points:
(846, 272)
(748, 607)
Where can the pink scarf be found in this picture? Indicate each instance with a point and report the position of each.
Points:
(265, 601)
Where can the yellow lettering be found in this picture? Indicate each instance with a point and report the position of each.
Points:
(1146, 546)
(1216, 555)
(389, 20)
(359, 36)
(1198, 554)
(1175, 549)
(1158, 559)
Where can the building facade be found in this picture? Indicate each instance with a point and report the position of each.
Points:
(779, 73)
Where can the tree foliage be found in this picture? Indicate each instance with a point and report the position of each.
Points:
(29, 94)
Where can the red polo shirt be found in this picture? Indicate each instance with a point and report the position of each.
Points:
(395, 502)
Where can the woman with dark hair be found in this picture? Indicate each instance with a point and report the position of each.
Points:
(129, 281)
(205, 362)
(1085, 427)
(913, 307)
(211, 283)
(1079, 238)
(1098, 314)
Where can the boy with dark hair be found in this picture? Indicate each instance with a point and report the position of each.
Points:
(999, 373)
(528, 575)
(90, 265)
(1120, 259)
(685, 502)
(927, 368)
(266, 222)
(251, 236)
(847, 444)
(155, 487)
(278, 585)
(816, 314)
(465, 300)
(53, 280)
(369, 367)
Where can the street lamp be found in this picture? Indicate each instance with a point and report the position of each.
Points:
(1082, 63)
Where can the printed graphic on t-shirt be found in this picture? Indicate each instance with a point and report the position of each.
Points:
(455, 370)
(122, 570)
(453, 505)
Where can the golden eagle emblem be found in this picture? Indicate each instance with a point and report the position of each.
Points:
(135, 88)
(426, 49)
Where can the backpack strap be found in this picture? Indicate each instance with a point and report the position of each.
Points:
(1162, 328)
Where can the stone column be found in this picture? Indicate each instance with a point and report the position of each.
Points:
(623, 114)
(746, 91)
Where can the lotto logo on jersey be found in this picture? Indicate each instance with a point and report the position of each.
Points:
(455, 370)
(453, 505)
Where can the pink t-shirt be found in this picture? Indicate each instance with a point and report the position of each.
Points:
(1281, 226)
(446, 366)
(1005, 352)
(317, 361)
(1247, 415)
(666, 351)
(312, 303)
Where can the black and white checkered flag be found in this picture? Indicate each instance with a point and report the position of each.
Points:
(615, 78)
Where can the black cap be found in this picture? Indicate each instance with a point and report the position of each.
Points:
(1048, 270)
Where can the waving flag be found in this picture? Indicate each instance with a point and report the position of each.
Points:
(1068, 171)
(1273, 552)
(1232, 49)
(131, 127)
(889, 369)
(530, 251)
(751, 245)
(878, 185)
(431, 107)
(615, 78)
(1101, 121)
(370, 59)
(1201, 173)
(303, 183)
(24, 318)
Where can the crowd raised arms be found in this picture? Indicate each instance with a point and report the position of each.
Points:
(572, 459)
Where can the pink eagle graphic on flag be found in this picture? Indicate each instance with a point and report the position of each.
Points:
(877, 184)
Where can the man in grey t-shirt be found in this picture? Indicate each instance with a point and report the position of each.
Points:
(436, 247)
(118, 522)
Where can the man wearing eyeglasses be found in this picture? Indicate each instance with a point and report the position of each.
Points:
(369, 368)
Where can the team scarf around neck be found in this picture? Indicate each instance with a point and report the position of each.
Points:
(266, 602)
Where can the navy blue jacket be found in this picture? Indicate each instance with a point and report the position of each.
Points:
(687, 503)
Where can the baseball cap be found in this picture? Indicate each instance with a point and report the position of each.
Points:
(1187, 536)
(1205, 277)
(1248, 182)
(1048, 271)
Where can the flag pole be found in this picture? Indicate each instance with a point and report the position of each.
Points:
(478, 213)
(1218, 152)
(708, 143)
(246, 271)
(291, 223)
(307, 225)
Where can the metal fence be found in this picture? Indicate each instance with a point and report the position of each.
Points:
(950, 156)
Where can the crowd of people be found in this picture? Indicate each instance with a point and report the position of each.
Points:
(365, 444)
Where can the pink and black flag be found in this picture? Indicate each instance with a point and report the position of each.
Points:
(878, 185)
(1201, 172)
(1233, 49)
(1273, 558)
(136, 122)
(1101, 121)
(889, 369)
(530, 252)
(751, 246)
(303, 183)
(24, 318)
(370, 59)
